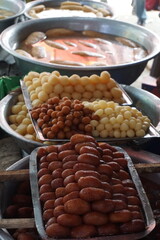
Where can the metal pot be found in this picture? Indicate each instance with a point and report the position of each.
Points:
(123, 73)
(57, 3)
(17, 7)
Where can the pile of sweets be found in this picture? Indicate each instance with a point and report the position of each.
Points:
(86, 190)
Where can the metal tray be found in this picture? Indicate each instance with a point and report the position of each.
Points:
(151, 133)
(147, 211)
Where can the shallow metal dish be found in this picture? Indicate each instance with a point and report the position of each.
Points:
(56, 4)
(17, 7)
(142, 100)
(123, 73)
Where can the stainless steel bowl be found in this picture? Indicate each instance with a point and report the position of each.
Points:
(124, 73)
(5, 108)
(143, 100)
(57, 3)
(17, 7)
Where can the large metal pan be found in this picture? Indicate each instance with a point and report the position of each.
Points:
(123, 73)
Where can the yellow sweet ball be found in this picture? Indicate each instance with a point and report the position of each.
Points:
(33, 96)
(116, 92)
(19, 118)
(111, 83)
(119, 118)
(22, 112)
(87, 95)
(105, 77)
(108, 127)
(112, 104)
(42, 96)
(16, 109)
(117, 133)
(103, 133)
(127, 114)
(97, 94)
(44, 79)
(95, 133)
(124, 127)
(53, 79)
(28, 83)
(22, 129)
(29, 137)
(100, 127)
(132, 123)
(56, 73)
(130, 133)
(84, 80)
(104, 120)
(101, 86)
(90, 87)
(33, 74)
(36, 102)
(76, 95)
(138, 126)
(58, 88)
(102, 104)
(116, 125)
(20, 103)
(38, 89)
(108, 111)
(12, 118)
(99, 112)
(140, 133)
(30, 88)
(13, 126)
(112, 120)
(53, 95)
(95, 107)
(36, 82)
(64, 80)
(111, 134)
(94, 123)
(94, 79)
(107, 95)
(65, 94)
(26, 121)
(24, 108)
(46, 87)
(123, 134)
(20, 98)
(69, 89)
(74, 79)
(30, 129)
(79, 88)
(26, 78)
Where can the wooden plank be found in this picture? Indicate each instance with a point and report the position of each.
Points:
(15, 175)
(147, 167)
(17, 223)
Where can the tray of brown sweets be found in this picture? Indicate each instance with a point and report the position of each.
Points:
(95, 190)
